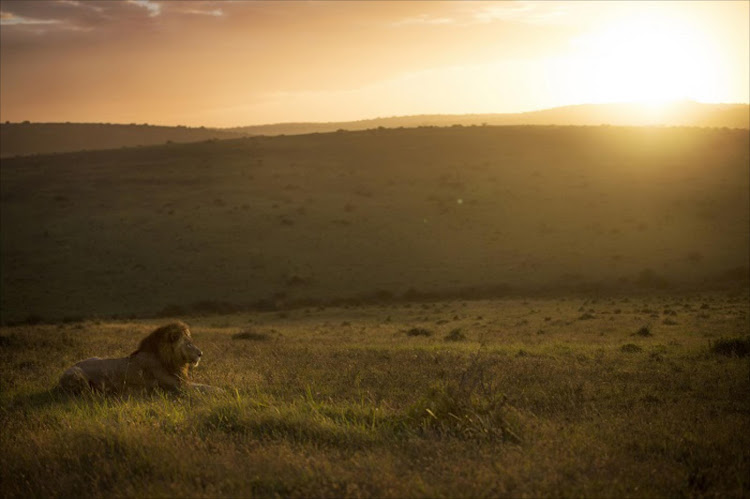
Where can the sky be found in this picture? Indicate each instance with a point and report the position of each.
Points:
(235, 63)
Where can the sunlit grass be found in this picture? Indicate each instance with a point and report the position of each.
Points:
(365, 409)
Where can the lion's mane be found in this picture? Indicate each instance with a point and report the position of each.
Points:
(161, 344)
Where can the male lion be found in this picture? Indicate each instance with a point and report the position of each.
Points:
(160, 361)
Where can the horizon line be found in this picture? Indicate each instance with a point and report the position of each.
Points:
(656, 103)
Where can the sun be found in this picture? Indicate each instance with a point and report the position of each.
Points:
(649, 59)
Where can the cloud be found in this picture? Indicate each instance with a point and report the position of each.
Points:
(521, 11)
(10, 19)
(424, 19)
(102, 17)
(154, 8)
(85, 5)
(34, 18)
(214, 12)
(478, 13)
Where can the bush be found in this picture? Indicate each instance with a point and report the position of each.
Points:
(418, 331)
(251, 335)
(455, 335)
(731, 347)
(644, 331)
(631, 348)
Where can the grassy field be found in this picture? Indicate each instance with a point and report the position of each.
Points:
(269, 222)
(626, 396)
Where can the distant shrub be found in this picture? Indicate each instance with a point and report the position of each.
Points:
(418, 331)
(631, 348)
(732, 347)
(455, 335)
(644, 331)
(251, 335)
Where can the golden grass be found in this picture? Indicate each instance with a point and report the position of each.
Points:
(344, 402)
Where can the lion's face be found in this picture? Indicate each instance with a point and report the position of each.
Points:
(187, 351)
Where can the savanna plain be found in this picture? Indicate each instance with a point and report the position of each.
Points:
(430, 312)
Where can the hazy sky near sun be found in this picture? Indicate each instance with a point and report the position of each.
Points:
(234, 63)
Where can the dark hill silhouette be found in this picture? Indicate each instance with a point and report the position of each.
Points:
(18, 139)
(681, 113)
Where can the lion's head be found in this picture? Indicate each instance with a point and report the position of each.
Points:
(173, 346)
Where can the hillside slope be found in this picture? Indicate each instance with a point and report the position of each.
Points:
(684, 113)
(43, 138)
(380, 213)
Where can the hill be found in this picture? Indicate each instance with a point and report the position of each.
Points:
(373, 215)
(42, 138)
(683, 113)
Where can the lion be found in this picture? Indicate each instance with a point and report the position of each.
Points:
(160, 361)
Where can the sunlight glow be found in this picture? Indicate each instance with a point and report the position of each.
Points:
(650, 59)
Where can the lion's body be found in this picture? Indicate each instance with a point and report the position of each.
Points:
(161, 361)
(141, 371)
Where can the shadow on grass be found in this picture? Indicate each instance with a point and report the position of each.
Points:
(56, 397)
(38, 400)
